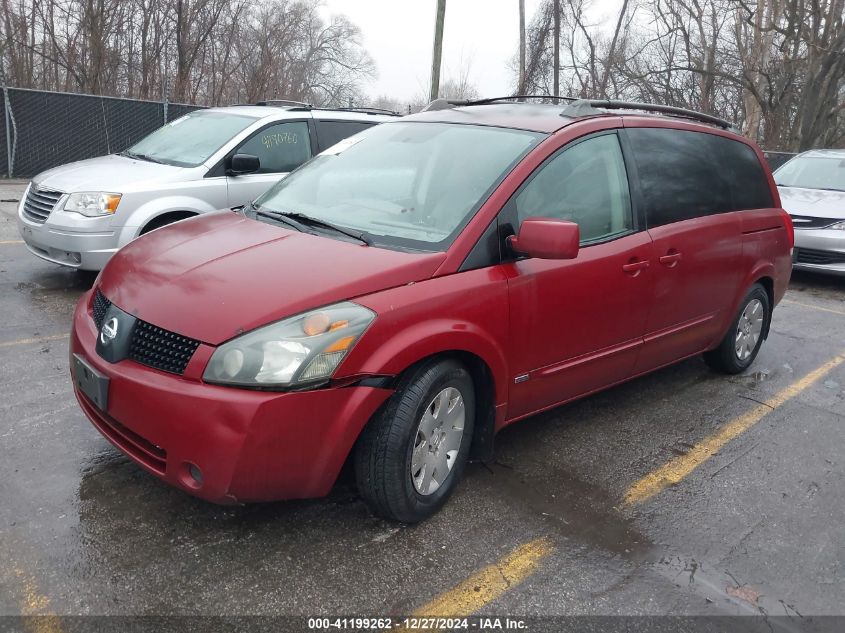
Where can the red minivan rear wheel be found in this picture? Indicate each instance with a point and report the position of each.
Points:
(741, 344)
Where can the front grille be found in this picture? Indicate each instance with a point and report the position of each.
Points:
(101, 304)
(39, 203)
(813, 256)
(149, 344)
(810, 222)
(160, 349)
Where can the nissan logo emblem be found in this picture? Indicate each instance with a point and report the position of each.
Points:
(109, 331)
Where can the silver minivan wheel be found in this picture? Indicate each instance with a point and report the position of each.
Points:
(437, 440)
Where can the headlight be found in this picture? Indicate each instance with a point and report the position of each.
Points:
(838, 225)
(93, 203)
(300, 350)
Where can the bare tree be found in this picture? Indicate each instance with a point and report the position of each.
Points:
(203, 51)
(776, 67)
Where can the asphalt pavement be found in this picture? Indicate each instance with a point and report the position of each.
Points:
(744, 515)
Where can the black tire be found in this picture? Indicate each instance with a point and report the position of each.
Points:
(384, 450)
(725, 357)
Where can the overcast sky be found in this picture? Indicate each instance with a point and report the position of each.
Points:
(481, 35)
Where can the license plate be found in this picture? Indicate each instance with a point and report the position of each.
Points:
(91, 382)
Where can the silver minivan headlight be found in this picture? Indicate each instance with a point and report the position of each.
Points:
(838, 225)
(296, 351)
(93, 203)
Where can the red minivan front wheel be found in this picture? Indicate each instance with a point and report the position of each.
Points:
(411, 455)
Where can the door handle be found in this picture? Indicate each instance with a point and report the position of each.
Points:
(671, 258)
(634, 266)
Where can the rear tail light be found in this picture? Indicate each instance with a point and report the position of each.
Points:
(787, 222)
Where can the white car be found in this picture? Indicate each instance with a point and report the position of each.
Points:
(812, 190)
(80, 214)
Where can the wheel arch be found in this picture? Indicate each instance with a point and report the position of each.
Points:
(768, 284)
(163, 219)
(136, 220)
(484, 428)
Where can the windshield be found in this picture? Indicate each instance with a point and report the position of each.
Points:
(411, 185)
(190, 140)
(815, 172)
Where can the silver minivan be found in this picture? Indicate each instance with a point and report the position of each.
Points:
(80, 214)
(812, 190)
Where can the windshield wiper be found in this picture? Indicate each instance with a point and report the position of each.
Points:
(145, 157)
(309, 221)
(805, 187)
(275, 215)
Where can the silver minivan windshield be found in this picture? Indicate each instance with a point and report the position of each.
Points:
(190, 140)
(813, 172)
(407, 184)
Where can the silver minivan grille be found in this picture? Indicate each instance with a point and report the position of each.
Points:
(39, 203)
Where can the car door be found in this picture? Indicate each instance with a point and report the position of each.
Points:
(686, 199)
(576, 325)
(280, 147)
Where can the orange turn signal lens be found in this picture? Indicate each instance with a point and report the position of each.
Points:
(340, 345)
(315, 324)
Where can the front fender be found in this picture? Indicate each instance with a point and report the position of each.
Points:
(156, 207)
(465, 312)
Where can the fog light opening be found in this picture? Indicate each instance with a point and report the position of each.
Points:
(191, 475)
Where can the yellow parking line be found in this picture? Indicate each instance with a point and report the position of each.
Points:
(40, 339)
(4, 242)
(36, 604)
(489, 583)
(675, 470)
(812, 307)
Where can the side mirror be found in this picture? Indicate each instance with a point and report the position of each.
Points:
(241, 164)
(546, 238)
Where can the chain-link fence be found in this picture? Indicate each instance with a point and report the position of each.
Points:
(39, 129)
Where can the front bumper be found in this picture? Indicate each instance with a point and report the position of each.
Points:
(78, 242)
(823, 250)
(248, 445)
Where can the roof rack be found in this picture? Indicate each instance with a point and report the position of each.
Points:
(590, 107)
(283, 102)
(445, 104)
(300, 105)
(363, 110)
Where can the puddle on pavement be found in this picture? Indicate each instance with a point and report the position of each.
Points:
(578, 509)
(56, 291)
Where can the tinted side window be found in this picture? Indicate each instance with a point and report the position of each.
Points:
(331, 132)
(680, 177)
(586, 184)
(748, 182)
(280, 148)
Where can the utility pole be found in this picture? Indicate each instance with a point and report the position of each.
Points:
(438, 49)
(556, 82)
(521, 87)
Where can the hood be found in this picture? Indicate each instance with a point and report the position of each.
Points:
(816, 203)
(221, 274)
(114, 173)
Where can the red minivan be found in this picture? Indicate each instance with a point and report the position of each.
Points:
(406, 294)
